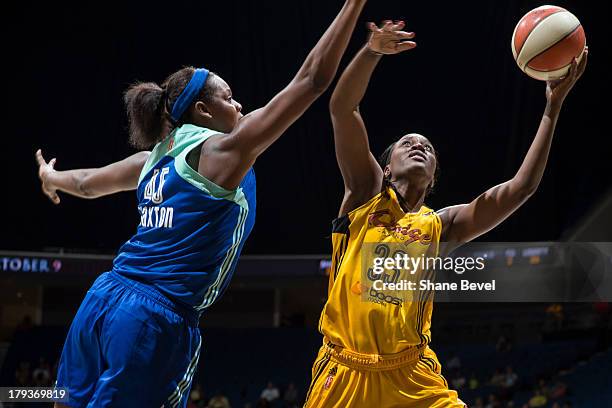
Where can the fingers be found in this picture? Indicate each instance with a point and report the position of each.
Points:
(387, 25)
(583, 62)
(39, 158)
(405, 35)
(398, 25)
(405, 46)
(372, 27)
(52, 163)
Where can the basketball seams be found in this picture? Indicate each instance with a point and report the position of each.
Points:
(551, 46)
(514, 50)
(539, 39)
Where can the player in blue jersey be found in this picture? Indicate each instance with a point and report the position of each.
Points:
(135, 341)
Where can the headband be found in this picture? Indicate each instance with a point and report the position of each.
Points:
(190, 92)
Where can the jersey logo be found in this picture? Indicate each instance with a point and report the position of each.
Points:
(358, 288)
(153, 191)
(386, 220)
(330, 378)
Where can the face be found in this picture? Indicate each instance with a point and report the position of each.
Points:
(223, 112)
(414, 157)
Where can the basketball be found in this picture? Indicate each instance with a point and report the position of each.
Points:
(546, 40)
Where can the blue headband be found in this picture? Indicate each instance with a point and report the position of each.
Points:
(190, 92)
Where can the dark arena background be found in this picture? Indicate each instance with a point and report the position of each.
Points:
(68, 67)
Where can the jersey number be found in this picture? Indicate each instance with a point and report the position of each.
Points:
(154, 192)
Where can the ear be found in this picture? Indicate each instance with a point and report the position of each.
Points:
(202, 110)
(387, 171)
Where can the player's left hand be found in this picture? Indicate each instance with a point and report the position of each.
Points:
(44, 169)
(557, 90)
(389, 38)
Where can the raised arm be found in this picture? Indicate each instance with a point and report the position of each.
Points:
(90, 183)
(463, 223)
(361, 173)
(225, 159)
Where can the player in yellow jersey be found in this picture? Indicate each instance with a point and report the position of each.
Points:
(375, 350)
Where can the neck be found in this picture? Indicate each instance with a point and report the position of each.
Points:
(410, 195)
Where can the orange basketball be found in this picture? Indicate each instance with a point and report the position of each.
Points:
(546, 40)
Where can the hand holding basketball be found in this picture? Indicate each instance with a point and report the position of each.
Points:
(389, 39)
(44, 169)
(557, 90)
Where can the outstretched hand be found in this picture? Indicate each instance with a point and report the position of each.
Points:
(557, 90)
(44, 169)
(389, 38)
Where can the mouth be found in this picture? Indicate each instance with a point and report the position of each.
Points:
(418, 156)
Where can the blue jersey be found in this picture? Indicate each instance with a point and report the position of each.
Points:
(191, 230)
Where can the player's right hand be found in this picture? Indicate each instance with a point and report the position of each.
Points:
(44, 170)
(389, 38)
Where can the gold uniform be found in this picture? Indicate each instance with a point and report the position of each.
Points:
(375, 349)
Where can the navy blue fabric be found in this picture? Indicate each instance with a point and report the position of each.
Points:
(128, 346)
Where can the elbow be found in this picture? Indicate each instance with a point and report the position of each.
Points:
(527, 190)
(318, 83)
(83, 187)
(319, 78)
(338, 106)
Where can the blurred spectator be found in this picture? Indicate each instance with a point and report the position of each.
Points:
(22, 374)
(510, 378)
(291, 396)
(554, 317)
(459, 381)
(478, 403)
(454, 363)
(558, 390)
(538, 400)
(493, 402)
(219, 401)
(543, 387)
(498, 378)
(556, 405)
(196, 397)
(270, 393)
(42, 373)
(473, 382)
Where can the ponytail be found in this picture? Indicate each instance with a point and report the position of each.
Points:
(148, 106)
(144, 102)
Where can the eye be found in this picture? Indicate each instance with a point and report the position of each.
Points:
(428, 148)
(406, 142)
(229, 99)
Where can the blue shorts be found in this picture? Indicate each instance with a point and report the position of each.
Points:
(129, 346)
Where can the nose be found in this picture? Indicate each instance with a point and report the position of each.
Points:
(418, 145)
(238, 106)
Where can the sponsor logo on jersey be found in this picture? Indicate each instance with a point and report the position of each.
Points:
(358, 288)
(391, 226)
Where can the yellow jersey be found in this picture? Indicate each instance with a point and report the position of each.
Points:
(358, 317)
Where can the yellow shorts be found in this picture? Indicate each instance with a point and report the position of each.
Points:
(344, 379)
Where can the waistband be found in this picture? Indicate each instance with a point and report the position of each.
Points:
(191, 316)
(372, 362)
